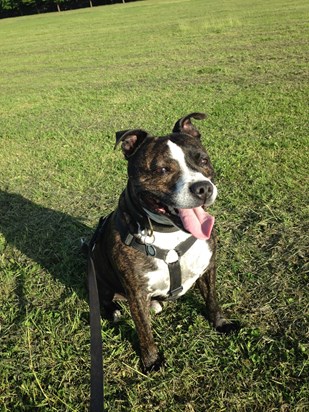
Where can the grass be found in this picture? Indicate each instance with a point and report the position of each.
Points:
(68, 82)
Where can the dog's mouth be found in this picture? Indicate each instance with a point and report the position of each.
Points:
(196, 221)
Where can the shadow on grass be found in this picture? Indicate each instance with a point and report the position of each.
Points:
(51, 239)
(48, 237)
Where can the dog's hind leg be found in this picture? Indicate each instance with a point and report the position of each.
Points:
(111, 309)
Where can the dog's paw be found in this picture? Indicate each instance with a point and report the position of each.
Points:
(227, 326)
(117, 315)
(112, 312)
(155, 307)
(153, 365)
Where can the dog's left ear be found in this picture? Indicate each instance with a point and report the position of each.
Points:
(184, 124)
(130, 141)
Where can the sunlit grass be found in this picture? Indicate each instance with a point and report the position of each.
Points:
(68, 82)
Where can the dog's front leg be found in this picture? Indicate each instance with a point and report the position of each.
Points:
(207, 287)
(140, 311)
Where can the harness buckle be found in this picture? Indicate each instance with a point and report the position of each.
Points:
(173, 294)
(171, 257)
(128, 239)
(150, 250)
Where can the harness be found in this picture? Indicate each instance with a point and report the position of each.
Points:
(137, 236)
(170, 256)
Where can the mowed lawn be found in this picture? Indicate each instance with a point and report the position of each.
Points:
(68, 82)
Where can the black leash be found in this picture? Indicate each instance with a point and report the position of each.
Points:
(96, 347)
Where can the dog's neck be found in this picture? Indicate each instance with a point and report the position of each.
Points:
(142, 216)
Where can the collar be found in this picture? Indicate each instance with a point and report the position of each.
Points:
(144, 219)
(161, 220)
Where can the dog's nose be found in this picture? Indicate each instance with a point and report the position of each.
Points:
(203, 190)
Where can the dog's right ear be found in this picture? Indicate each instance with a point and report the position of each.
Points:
(130, 141)
(184, 124)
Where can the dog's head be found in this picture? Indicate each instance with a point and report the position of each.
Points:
(172, 176)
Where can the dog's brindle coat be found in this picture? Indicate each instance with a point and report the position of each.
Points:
(165, 175)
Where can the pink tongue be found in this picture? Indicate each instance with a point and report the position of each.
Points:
(198, 222)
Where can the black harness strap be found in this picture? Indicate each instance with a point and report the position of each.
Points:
(173, 267)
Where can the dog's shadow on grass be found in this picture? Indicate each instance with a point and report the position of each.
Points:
(50, 239)
(47, 237)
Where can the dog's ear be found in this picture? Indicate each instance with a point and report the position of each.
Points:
(184, 124)
(130, 141)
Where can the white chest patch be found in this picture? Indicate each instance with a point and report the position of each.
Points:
(193, 264)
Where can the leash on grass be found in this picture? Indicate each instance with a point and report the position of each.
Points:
(96, 347)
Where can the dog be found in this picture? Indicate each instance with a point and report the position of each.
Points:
(160, 240)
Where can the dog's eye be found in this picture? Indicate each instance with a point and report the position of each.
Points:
(161, 170)
(204, 161)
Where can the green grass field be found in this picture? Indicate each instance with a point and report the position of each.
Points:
(68, 82)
